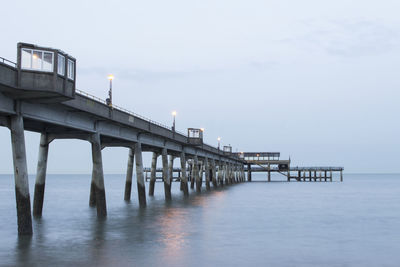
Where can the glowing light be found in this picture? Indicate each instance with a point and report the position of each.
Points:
(110, 77)
(35, 56)
(202, 129)
(219, 138)
(174, 113)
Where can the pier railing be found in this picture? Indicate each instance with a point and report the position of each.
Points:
(95, 98)
(8, 62)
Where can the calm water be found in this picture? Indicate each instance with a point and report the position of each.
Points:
(355, 223)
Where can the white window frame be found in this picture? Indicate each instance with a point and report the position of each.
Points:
(58, 64)
(41, 67)
(70, 75)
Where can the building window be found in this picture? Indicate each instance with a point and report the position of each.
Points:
(61, 65)
(37, 60)
(71, 69)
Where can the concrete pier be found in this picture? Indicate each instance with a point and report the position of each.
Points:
(167, 180)
(139, 175)
(171, 170)
(196, 176)
(129, 174)
(192, 175)
(153, 174)
(207, 171)
(199, 183)
(22, 197)
(214, 173)
(184, 182)
(98, 177)
(40, 176)
(220, 174)
(249, 173)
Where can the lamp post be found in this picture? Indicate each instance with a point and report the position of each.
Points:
(219, 142)
(109, 99)
(173, 124)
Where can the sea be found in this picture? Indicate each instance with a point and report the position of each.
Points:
(351, 223)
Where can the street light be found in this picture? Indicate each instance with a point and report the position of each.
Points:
(173, 125)
(109, 99)
(219, 142)
(202, 129)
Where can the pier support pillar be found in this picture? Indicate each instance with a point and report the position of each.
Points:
(129, 174)
(192, 175)
(207, 171)
(184, 182)
(196, 176)
(24, 216)
(341, 176)
(139, 175)
(40, 176)
(165, 173)
(201, 171)
(220, 174)
(225, 173)
(214, 173)
(171, 170)
(248, 172)
(153, 173)
(269, 172)
(97, 188)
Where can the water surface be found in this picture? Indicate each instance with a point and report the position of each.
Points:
(354, 223)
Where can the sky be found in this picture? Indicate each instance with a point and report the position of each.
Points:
(315, 80)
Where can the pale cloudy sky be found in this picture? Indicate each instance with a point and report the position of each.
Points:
(316, 80)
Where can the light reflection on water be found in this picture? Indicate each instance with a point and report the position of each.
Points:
(354, 223)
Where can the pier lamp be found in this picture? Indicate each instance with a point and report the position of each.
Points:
(173, 124)
(109, 99)
(202, 129)
(219, 142)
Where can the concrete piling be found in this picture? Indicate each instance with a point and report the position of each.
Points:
(139, 175)
(248, 173)
(214, 173)
(196, 172)
(221, 173)
(40, 176)
(192, 176)
(24, 216)
(207, 171)
(167, 186)
(98, 177)
(184, 182)
(171, 170)
(129, 174)
(153, 174)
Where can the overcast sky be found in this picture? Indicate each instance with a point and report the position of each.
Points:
(316, 80)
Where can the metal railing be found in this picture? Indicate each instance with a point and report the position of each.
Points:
(102, 101)
(8, 62)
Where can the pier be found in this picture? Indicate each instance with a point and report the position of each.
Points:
(38, 93)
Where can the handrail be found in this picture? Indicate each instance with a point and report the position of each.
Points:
(8, 62)
(124, 110)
